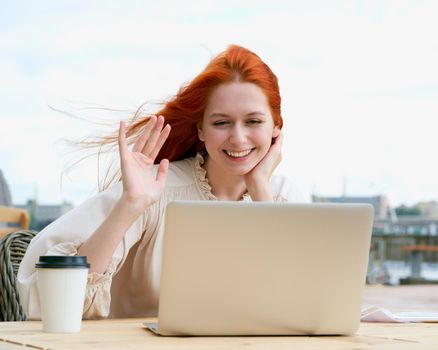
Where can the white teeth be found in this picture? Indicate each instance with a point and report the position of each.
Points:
(238, 154)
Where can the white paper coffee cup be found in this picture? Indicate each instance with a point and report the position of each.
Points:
(61, 284)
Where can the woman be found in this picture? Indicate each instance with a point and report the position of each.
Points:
(222, 136)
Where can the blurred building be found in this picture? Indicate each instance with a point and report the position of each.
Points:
(382, 210)
(43, 215)
(428, 209)
(5, 193)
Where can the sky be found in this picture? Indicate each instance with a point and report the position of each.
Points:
(358, 79)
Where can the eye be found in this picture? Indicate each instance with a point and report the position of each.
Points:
(220, 123)
(253, 121)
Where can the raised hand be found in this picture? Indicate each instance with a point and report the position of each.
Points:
(141, 187)
(257, 180)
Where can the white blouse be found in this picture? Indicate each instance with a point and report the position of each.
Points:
(130, 285)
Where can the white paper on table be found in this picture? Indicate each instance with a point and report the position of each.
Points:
(377, 314)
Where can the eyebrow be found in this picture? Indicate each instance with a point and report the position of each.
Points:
(226, 115)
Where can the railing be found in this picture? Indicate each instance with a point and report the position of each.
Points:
(390, 236)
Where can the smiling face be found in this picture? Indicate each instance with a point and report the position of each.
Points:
(237, 128)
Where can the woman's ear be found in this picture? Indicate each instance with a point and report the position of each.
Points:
(200, 133)
(276, 131)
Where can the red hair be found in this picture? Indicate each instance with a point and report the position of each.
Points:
(185, 111)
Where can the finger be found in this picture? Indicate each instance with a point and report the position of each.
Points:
(145, 134)
(161, 140)
(278, 141)
(153, 137)
(162, 172)
(279, 137)
(278, 146)
(123, 148)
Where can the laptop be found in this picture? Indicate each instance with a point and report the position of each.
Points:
(239, 268)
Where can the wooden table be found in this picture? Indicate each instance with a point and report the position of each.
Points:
(130, 334)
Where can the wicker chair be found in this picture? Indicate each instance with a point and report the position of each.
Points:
(12, 249)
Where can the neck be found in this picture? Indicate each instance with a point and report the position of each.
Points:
(224, 187)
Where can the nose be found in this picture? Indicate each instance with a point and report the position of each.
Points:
(237, 135)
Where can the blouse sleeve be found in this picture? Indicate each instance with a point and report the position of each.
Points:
(63, 237)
